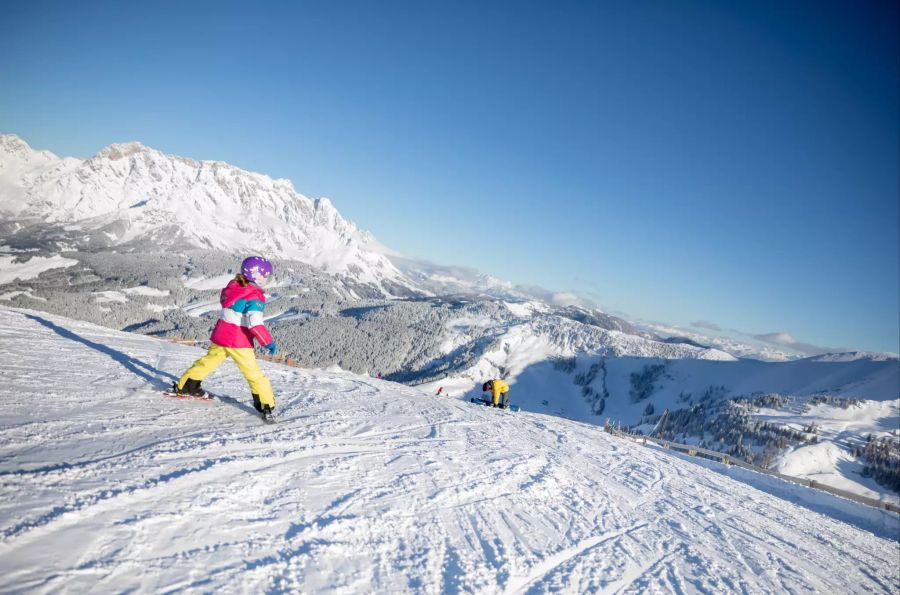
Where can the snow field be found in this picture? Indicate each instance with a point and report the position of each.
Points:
(22, 271)
(365, 485)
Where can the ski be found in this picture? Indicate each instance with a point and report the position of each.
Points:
(173, 395)
(478, 401)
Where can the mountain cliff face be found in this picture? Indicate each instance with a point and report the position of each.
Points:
(129, 193)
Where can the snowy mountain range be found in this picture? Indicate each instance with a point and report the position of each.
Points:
(129, 196)
(132, 197)
(128, 193)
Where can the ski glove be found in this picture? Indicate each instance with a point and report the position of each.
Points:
(271, 348)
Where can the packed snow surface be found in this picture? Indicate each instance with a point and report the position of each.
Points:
(365, 485)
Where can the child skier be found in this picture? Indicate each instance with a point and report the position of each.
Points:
(239, 324)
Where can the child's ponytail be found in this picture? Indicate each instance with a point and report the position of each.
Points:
(242, 280)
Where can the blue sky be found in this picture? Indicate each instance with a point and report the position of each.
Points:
(677, 161)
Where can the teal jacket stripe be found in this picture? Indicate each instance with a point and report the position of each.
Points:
(244, 306)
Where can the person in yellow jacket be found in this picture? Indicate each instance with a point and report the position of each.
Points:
(499, 392)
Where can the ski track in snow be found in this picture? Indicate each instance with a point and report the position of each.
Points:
(363, 486)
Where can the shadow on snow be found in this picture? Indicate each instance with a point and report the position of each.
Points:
(154, 376)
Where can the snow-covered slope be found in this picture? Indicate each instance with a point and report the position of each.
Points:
(560, 367)
(513, 347)
(366, 486)
(129, 192)
(534, 332)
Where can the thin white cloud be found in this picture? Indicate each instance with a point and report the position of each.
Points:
(783, 339)
(565, 298)
(707, 325)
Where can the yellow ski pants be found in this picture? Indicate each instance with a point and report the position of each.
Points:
(246, 363)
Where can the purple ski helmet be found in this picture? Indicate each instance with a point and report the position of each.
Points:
(257, 269)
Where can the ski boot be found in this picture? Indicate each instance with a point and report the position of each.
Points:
(191, 388)
(267, 412)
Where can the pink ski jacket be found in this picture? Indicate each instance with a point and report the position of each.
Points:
(241, 320)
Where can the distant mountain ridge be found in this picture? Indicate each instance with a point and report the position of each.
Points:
(852, 356)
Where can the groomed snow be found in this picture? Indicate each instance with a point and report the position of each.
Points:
(366, 486)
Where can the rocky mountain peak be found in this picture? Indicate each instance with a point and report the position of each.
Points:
(118, 151)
